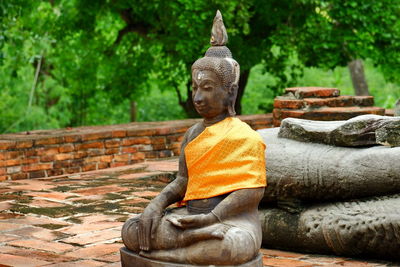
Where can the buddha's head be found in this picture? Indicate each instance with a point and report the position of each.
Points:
(215, 77)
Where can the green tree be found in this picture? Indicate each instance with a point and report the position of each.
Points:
(341, 33)
(76, 62)
(31, 95)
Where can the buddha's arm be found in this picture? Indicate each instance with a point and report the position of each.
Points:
(235, 203)
(173, 192)
(238, 202)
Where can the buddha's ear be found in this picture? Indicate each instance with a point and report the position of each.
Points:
(232, 91)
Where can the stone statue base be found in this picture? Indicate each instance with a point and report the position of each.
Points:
(131, 259)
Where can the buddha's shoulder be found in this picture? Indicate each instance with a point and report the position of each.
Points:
(195, 128)
(243, 130)
(194, 131)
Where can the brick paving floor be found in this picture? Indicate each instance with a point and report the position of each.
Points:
(75, 220)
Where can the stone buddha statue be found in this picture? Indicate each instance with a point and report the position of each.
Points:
(220, 182)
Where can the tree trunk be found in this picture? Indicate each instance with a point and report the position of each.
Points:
(357, 74)
(133, 111)
(242, 85)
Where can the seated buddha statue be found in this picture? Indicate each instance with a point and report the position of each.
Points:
(220, 182)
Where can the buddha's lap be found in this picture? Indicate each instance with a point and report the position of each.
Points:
(167, 235)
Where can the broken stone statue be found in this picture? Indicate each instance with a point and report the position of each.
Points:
(333, 188)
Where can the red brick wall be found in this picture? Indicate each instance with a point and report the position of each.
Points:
(39, 154)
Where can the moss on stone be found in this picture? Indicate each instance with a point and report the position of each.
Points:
(18, 196)
(83, 201)
(51, 226)
(122, 219)
(109, 206)
(53, 212)
(64, 188)
(113, 196)
(85, 209)
(74, 220)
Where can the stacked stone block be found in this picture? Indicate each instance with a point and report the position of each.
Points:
(318, 103)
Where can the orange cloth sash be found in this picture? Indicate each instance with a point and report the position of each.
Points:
(225, 157)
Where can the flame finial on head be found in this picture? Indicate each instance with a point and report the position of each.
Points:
(218, 59)
(219, 37)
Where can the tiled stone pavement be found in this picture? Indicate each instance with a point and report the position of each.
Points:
(75, 220)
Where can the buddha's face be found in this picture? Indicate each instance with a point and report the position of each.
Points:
(209, 95)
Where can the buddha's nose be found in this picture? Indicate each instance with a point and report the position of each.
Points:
(198, 99)
(198, 102)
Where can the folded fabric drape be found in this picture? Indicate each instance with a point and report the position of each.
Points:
(225, 157)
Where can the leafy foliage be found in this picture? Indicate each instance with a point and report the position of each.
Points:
(340, 31)
(93, 58)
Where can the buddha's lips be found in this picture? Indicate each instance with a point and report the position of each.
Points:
(200, 107)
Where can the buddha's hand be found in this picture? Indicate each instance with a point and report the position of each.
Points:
(148, 223)
(193, 221)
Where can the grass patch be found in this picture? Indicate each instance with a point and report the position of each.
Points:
(53, 212)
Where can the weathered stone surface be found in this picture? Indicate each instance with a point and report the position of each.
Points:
(131, 259)
(358, 228)
(308, 130)
(389, 134)
(358, 131)
(316, 172)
